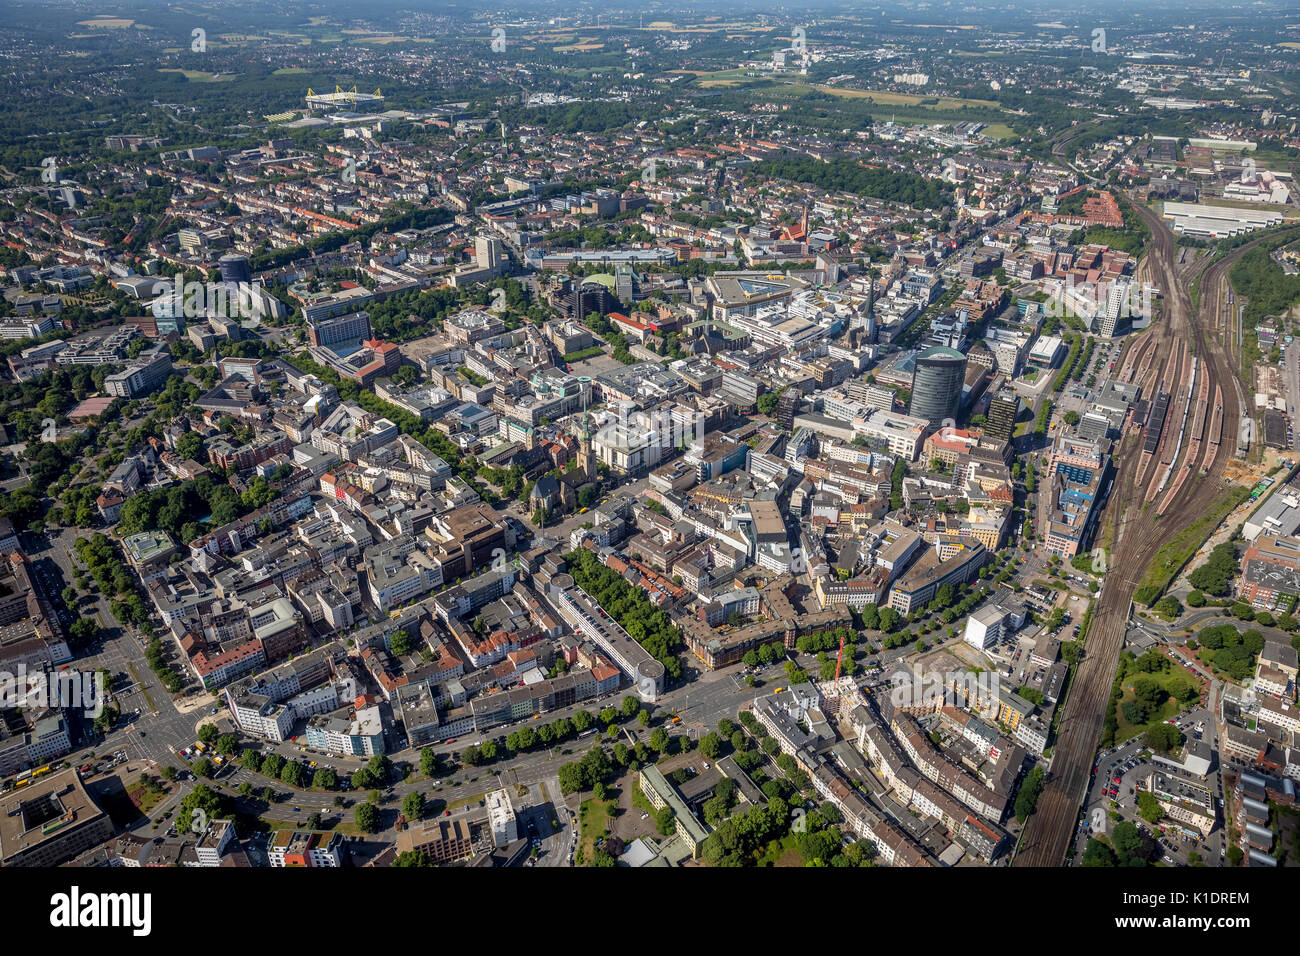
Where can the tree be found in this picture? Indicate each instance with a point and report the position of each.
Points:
(291, 773)
(1168, 607)
(400, 643)
(1149, 807)
(1162, 737)
(207, 733)
(1099, 854)
(413, 858)
(630, 705)
(1133, 847)
(366, 817)
(571, 778)
(659, 739)
(227, 745)
(413, 805)
(325, 779)
(1030, 790)
(710, 745)
(380, 768)
(205, 768)
(429, 762)
(203, 800)
(189, 446)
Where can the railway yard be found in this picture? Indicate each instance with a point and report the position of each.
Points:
(1170, 472)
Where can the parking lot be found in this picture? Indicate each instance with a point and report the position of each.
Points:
(1120, 775)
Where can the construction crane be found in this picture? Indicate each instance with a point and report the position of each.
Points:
(840, 659)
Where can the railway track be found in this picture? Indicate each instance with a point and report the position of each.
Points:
(1138, 533)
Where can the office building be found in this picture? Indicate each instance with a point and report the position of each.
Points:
(235, 268)
(146, 374)
(1001, 417)
(50, 821)
(501, 818)
(345, 330)
(442, 841)
(937, 385)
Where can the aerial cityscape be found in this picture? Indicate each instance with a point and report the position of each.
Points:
(649, 435)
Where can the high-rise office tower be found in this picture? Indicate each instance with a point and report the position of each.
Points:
(937, 384)
(1003, 411)
(235, 268)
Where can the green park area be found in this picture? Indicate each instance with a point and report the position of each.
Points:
(1148, 691)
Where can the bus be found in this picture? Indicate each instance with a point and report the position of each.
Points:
(42, 770)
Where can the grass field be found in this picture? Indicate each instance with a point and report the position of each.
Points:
(886, 98)
(593, 822)
(1170, 708)
(388, 40)
(107, 23)
(718, 78)
(729, 29)
(904, 109)
(201, 76)
(782, 852)
(1169, 560)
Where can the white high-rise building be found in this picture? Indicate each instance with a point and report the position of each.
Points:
(984, 627)
(501, 817)
(488, 253)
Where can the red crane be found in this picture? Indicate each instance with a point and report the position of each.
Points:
(840, 659)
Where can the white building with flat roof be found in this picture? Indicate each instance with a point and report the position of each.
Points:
(984, 627)
(1216, 222)
(501, 818)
